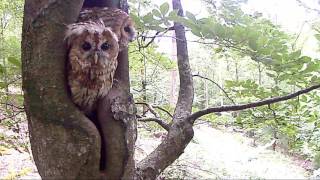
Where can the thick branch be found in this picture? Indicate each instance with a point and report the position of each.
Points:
(198, 114)
(161, 122)
(186, 94)
(181, 131)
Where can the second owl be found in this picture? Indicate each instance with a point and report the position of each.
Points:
(119, 21)
(92, 61)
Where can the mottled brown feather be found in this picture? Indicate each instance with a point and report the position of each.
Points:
(119, 22)
(88, 78)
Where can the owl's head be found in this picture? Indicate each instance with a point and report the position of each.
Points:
(92, 42)
(119, 21)
(128, 32)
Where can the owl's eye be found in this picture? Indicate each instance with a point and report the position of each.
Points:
(127, 29)
(105, 46)
(86, 46)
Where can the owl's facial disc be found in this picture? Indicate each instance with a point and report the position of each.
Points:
(101, 54)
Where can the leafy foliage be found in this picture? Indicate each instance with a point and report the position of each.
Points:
(261, 61)
(10, 63)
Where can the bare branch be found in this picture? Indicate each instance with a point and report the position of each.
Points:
(157, 34)
(150, 108)
(198, 114)
(308, 7)
(162, 109)
(11, 116)
(202, 77)
(157, 107)
(161, 122)
(13, 106)
(152, 40)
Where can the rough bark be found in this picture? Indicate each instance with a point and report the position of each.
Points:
(116, 114)
(65, 144)
(181, 131)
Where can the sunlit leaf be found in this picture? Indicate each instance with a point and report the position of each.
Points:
(14, 61)
(164, 8)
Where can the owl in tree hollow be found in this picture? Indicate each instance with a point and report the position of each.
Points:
(118, 20)
(92, 61)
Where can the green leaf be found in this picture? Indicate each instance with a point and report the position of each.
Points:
(148, 18)
(14, 61)
(219, 30)
(156, 13)
(311, 67)
(218, 50)
(191, 16)
(253, 44)
(196, 32)
(164, 8)
(295, 55)
(137, 21)
(2, 69)
(305, 59)
(3, 85)
(317, 36)
(173, 14)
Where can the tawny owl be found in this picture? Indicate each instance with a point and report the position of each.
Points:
(118, 20)
(92, 61)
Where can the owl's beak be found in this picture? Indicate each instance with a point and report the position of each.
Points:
(95, 57)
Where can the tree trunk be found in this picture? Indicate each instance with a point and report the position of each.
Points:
(65, 144)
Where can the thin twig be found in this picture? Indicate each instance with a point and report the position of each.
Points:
(202, 77)
(157, 107)
(157, 34)
(11, 116)
(308, 7)
(164, 110)
(12, 105)
(150, 108)
(161, 122)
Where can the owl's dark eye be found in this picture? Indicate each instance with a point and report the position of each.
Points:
(86, 46)
(127, 29)
(105, 46)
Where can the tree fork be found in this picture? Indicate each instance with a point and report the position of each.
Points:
(66, 144)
